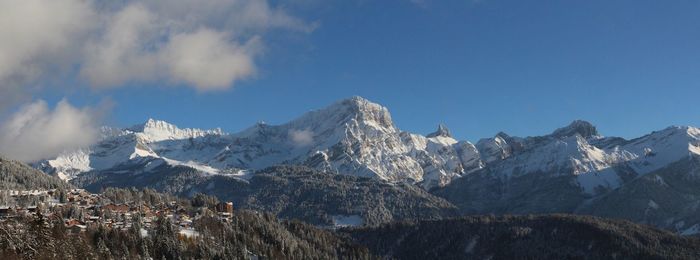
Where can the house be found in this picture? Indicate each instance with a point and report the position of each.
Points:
(145, 209)
(73, 222)
(5, 211)
(75, 229)
(225, 207)
(122, 208)
(20, 211)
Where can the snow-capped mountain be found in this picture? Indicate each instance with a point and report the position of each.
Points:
(572, 169)
(577, 170)
(152, 139)
(357, 137)
(579, 150)
(353, 136)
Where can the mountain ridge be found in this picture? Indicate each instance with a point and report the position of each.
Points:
(340, 138)
(351, 136)
(558, 172)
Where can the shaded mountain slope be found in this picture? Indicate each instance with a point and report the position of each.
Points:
(651, 179)
(668, 198)
(290, 192)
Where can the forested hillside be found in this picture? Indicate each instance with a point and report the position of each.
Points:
(245, 235)
(290, 192)
(525, 237)
(15, 175)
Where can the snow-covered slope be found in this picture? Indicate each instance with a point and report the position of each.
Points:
(357, 137)
(658, 149)
(579, 150)
(352, 136)
(154, 131)
(153, 139)
(652, 179)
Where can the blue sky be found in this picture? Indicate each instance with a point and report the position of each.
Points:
(523, 67)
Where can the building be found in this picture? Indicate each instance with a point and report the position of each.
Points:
(122, 208)
(5, 211)
(225, 207)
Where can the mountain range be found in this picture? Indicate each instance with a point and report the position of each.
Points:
(353, 136)
(651, 179)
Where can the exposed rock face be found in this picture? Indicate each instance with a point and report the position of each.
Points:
(494, 149)
(441, 131)
(580, 127)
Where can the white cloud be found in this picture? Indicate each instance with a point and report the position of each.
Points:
(301, 137)
(38, 36)
(119, 56)
(34, 33)
(205, 44)
(112, 43)
(35, 132)
(207, 60)
(239, 16)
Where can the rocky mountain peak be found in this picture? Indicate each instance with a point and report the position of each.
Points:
(368, 110)
(158, 130)
(151, 124)
(502, 135)
(583, 128)
(158, 124)
(442, 130)
(355, 109)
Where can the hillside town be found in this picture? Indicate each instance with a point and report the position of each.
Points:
(87, 209)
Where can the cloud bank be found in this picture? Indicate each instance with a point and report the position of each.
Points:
(208, 45)
(38, 37)
(35, 132)
(205, 44)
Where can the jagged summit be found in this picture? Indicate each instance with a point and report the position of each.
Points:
(442, 130)
(502, 135)
(354, 110)
(366, 109)
(581, 127)
(356, 103)
(152, 123)
(159, 130)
